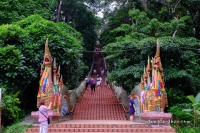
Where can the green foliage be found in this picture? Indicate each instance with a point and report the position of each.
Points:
(179, 114)
(140, 49)
(194, 111)
(184, 117)
(175, 98)
(67, 28)
(106, 37)
(192, 8)
(22, 51)
(134, 42)
(167, 12)
(76, 14)
(15, 10)
(115, 19)
(152, 27)
(16, 128)
(10, 106)
(28, 37)
(186, 129)
(12, 63)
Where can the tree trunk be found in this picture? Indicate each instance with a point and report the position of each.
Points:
(59, 11)
(145, 4)
(194, 121)
(66, 17)
(174, 33)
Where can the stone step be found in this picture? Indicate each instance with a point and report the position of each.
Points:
(99, 119)
(141, 130)
(110, 132)
(100, 126)
(102, 105)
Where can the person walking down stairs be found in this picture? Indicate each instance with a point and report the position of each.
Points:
(93, 85)
(107, 85)
(99, 79)
(86, 82)
(94, 71)
(102, 72)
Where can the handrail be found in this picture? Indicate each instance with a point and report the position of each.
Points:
(125, 109)
(72, 110)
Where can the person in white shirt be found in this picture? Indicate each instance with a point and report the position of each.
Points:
(86, 82)
(99, 79)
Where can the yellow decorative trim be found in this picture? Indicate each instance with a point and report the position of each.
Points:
(43, 95)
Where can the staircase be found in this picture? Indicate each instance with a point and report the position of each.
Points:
(100, 112)
(93, 127)
(100, 105)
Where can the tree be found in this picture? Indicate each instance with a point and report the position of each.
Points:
(76, 14)
(22, 52)
(10, 107)
(15, 10)
(168, 9)
(193, 7)
(134, 42)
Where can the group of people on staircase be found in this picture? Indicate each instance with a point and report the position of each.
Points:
(93, 83)
(90, 81)
(101, 73)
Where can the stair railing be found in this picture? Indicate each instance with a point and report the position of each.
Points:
(122, 96)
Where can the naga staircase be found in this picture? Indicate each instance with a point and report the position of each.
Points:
(99, 105)
(100, 112)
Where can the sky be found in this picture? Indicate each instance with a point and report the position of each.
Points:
(112, 7)
(100, 14)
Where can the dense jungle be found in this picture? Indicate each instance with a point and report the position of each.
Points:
(126, 30)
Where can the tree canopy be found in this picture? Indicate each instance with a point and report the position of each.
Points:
(22, 52)
(133, 43)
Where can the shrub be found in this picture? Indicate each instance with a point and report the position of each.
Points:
(16, 128)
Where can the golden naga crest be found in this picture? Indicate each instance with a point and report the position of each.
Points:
(49, 89)
(153, 96)
(47, 55)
